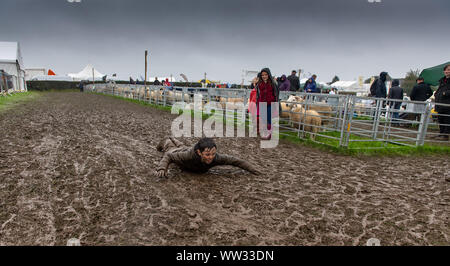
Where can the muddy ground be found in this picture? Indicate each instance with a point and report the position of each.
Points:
(80, 165)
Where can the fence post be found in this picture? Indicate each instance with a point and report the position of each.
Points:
(423, 128)
(389, 122)
(348, 125)
(343, 122)
(376, 119)
(164, 97)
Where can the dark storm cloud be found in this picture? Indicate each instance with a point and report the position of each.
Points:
(344, 37)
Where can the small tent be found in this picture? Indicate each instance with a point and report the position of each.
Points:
(88, 73)
(432, 75)
(11, 64)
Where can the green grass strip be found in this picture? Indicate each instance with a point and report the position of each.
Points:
(10, 101)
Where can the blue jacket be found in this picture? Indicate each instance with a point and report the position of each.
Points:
(311, 87)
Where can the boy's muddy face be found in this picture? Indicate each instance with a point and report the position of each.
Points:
(207, 155)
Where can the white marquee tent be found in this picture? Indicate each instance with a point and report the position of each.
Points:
(11, 62)
(88, 73)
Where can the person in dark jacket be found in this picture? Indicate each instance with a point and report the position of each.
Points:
(378, 88)
(284, 83)
(81, 86)
(294, 81)
(157, 82)
(310, 85)
(421, 92)
(198, 159)
(442, 96)
(395, 93)
(266, 91)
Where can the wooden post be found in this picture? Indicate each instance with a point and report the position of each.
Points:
(93, 76)
(145, 81)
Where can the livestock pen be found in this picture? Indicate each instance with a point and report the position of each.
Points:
(346, 121)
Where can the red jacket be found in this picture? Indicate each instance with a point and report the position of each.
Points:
(252, 108)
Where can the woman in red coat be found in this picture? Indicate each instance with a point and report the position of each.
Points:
(267, 91)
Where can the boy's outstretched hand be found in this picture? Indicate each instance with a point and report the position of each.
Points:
(161, 174)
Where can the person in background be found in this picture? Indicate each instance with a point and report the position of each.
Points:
(333, 101)
(167, 83)
(420, 93)
(395, 93)
(252, 99)
(156, 82)
(442, 96)
(284, 83)
(294, 81)
(310, 85)
(378, 87)
(81, 86)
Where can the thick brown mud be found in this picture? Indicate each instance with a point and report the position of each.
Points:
(76, 165)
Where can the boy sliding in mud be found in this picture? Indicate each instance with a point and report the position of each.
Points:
(199, 158)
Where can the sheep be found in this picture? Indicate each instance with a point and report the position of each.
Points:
(179, 97)
(287, 106)
(310, 119)
(141, 93)
(312, 123)
(324, 110)
(233, 103)
(285, 109)
(156, 95)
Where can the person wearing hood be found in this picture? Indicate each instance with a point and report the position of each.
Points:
(266, 91)
(285, 84)
(310, 85)
(395, 93)
(294, 81)
(167, 83)
(378, 88)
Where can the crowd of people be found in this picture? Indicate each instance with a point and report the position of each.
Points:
(421, 92)
(266, 88)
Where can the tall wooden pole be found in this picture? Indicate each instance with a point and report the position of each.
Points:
(145, 81)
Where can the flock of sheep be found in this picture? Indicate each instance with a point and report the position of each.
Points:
(295, 109)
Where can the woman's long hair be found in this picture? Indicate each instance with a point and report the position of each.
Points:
(268, 73)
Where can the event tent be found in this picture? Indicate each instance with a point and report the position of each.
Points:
(345, 85)
(351, 86)
(88, 73)
(30, 73)
(432, 75)
(11, 62)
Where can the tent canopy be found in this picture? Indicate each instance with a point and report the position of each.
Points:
(87, 73)
(10, 53)
(345, 84)
(432, 75)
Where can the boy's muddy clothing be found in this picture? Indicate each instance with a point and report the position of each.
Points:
(187, 159)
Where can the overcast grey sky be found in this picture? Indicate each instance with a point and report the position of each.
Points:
(347, 38)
